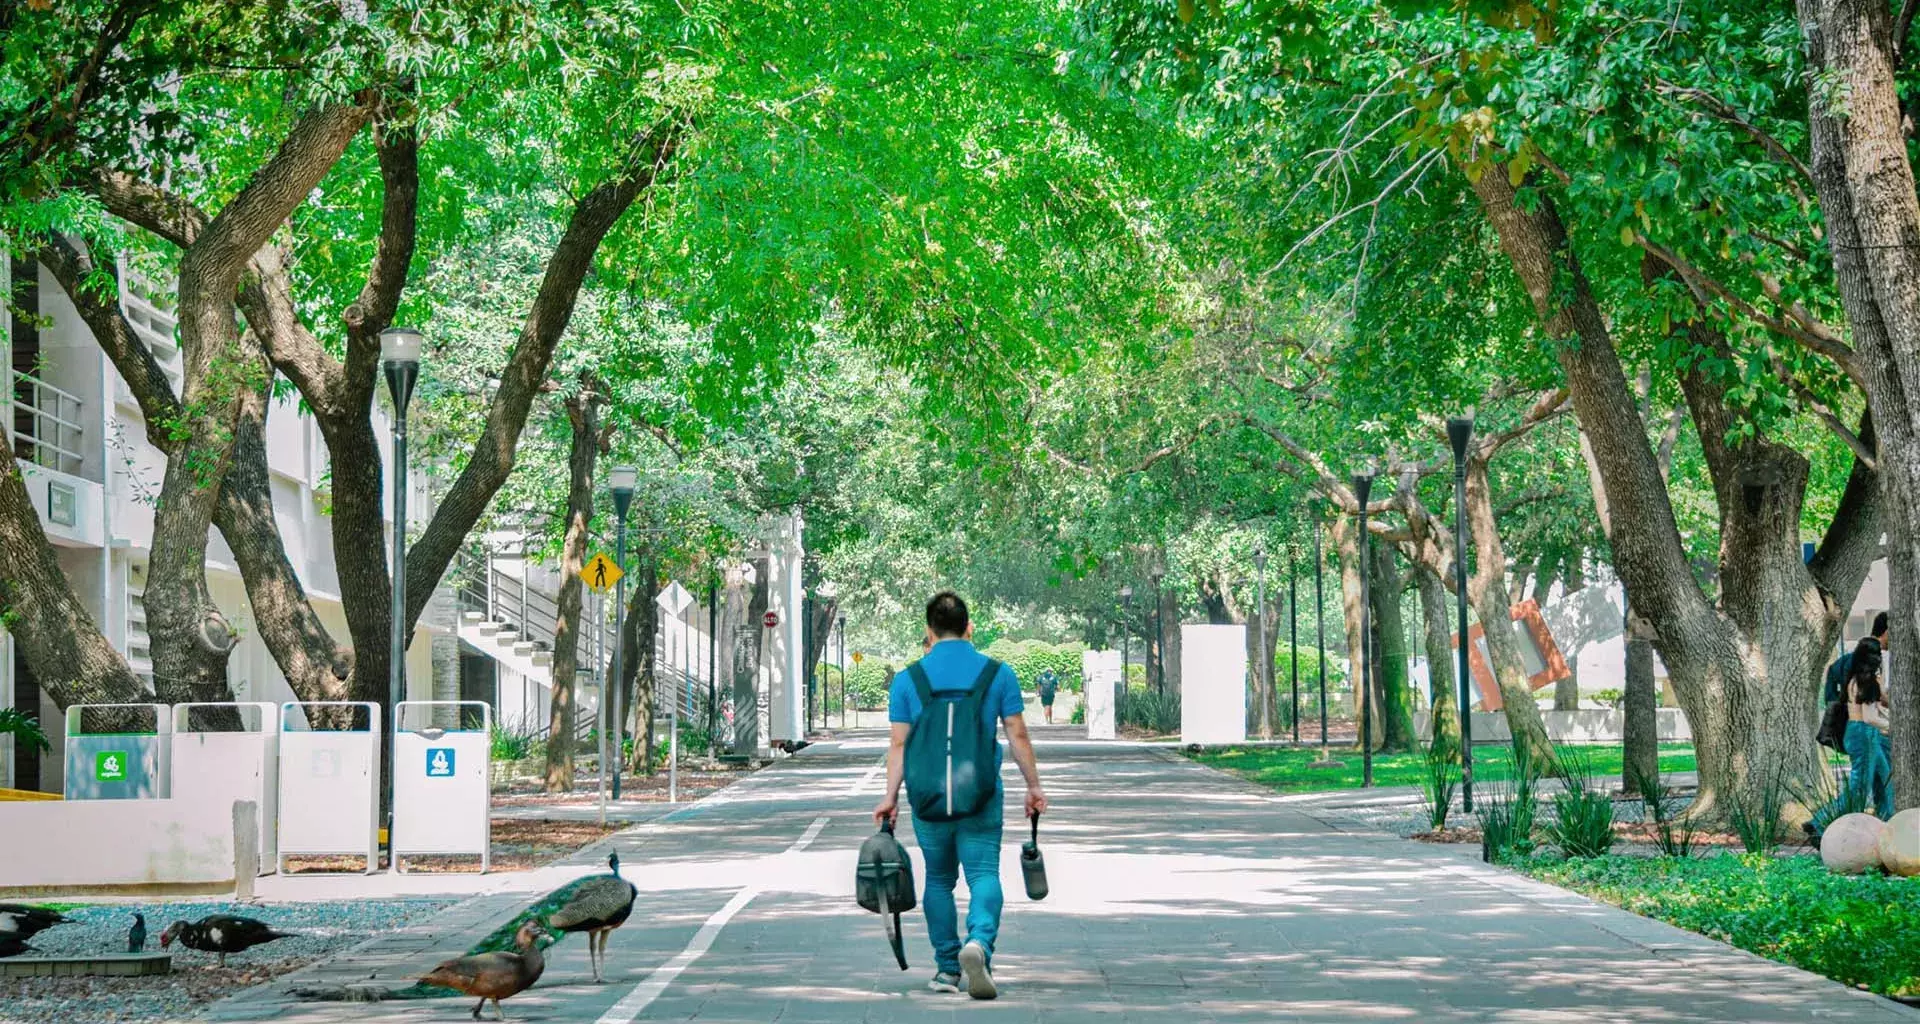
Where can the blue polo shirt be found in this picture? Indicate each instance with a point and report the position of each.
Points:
(953, 665)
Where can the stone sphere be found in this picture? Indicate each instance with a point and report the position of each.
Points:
(1900, 843)
(1851, 844)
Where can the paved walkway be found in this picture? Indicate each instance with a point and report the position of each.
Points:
(1178, 894)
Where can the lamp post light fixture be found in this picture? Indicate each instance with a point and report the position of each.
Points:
(400, 359)
(620, 481)
(1261, 667)
(1460, 435)
(1362, 490)
(1126, 634)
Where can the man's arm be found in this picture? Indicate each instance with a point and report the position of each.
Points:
(1022, 746)
(889, 807)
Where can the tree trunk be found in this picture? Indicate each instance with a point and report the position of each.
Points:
(1260, 680)
(1865, 183)
(1390, 640)
(583, 416)
(1169, 646)
(1487, 591)
(59, 639)
(1212, 587)
(1640, 726)
(1745, 672)
(1435, 608)
(1346, 532)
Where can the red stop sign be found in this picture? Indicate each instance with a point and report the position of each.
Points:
(771, 619)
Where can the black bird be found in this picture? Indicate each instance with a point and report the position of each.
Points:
(13, 946)
(19, 921)
(596, 905)
(137, 935)
(221, 933)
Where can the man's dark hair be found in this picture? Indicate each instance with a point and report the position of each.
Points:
(1879, 625)
(947, 615)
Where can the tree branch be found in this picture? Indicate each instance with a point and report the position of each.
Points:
(146, 379)
(1723, 111)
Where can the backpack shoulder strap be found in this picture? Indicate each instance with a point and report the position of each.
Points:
(987, 675)
(921, 683)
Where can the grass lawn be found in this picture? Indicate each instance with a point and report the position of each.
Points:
(1285, 768)
(1858, 930)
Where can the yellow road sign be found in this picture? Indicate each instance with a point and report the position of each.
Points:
(600, 573)
(858, 657)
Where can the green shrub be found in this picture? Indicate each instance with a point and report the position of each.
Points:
(1157, 713)
(1755, 816)
(867, 683)
(510, 744)
(1856, 929)
(1611, 697)
(1438, 784)
(1508, 810)
(25, 729)
(1674, 837)
(1029, 658)
(1582, 825)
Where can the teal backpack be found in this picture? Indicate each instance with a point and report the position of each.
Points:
(951, 771)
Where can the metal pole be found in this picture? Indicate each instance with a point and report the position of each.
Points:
(1293, 636)
(1263, 671)
(619, 687)
(673, 726)
(713, 669)
(602, 730)
(1366, 640)
(1320, 625)
(843, 671)
(1460, 432)
(397, 671)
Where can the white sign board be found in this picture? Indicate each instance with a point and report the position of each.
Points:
(440, 781)
(1213, 684)
(329, 785)
(1099, 676)
(217, 768)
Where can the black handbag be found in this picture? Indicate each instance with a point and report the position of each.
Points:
(1033, 867)
(883, 884)
(1833, 726)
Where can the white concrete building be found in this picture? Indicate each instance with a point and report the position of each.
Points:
(79, 437)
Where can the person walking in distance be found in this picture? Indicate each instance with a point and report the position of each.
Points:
(944, 709)
(1049, 685)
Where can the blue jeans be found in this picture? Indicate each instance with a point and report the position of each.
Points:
(1872, 756)
(948, 847)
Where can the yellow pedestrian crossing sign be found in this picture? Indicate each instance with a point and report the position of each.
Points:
(600, 573)
(858, 657)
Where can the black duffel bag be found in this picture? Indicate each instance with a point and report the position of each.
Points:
(883, 884)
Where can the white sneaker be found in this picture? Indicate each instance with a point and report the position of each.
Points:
(973, 967)
(944, 982)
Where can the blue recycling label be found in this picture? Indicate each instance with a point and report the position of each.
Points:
(439, 762)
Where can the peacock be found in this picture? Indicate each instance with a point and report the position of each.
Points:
(596, 904)
(21, 922)
(496, 975)
(221, 934)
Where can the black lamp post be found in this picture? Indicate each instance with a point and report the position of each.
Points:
(1261, 669)
(1293, 635)
(1460, 434)
(1362, 489)
(1126, 634)
(620, 480)
(400, 358)
(842, 624)
(1157, 646)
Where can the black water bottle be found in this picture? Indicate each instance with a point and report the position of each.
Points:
(1033, 868)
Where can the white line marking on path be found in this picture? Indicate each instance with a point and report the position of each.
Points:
(861, 782)
(631, 1005)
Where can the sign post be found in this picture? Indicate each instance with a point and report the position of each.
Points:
(600, 573)
(674, 599)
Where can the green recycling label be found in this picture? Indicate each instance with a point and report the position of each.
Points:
(110, 766)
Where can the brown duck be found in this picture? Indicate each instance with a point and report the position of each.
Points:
(496, 975)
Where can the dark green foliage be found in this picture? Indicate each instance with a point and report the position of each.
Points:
(1510, 808)
(1285, 769)
(1856, 929)
(24, 728)
(1152, 712)
(1582, 824)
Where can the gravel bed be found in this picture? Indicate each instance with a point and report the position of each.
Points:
(321, 930)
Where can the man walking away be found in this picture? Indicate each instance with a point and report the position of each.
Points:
(1842, 669)
(1049, 685)
(943, 710)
